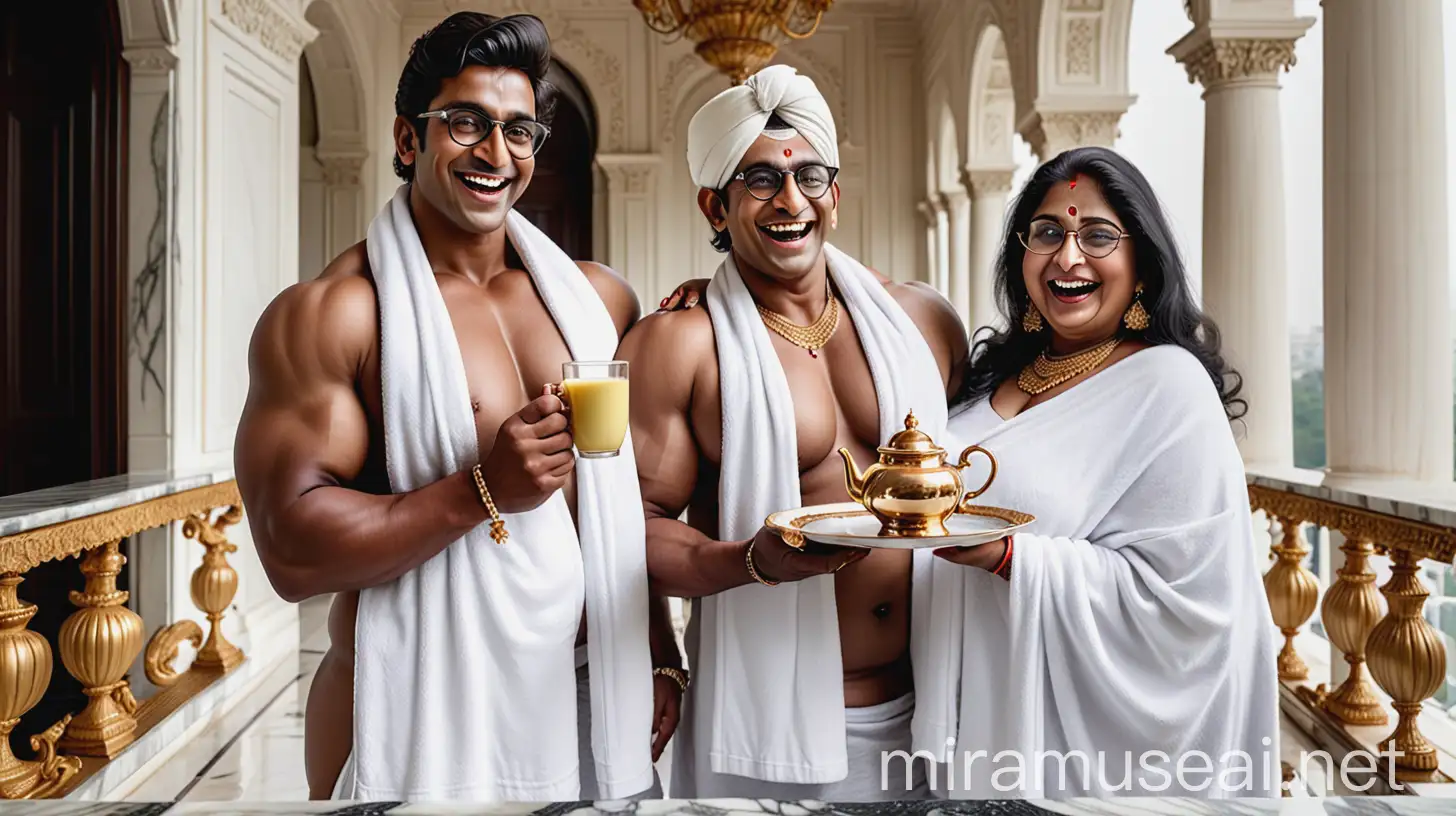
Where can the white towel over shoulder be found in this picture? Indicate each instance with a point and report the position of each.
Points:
(465, 683)
(768, 699)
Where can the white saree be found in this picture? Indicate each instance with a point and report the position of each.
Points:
(1132, 652)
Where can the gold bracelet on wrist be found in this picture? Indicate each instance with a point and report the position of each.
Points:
(497, 524)
(752, 570)
(678, 675)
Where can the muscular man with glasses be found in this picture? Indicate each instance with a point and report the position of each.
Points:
(321, 489)
(802, 674)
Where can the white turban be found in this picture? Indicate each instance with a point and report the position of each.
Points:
(723, 129)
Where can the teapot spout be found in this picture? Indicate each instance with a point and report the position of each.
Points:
(853, 478)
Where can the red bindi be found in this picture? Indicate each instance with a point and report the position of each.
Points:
(1071, 211)
(788, 152)
(1072, 185)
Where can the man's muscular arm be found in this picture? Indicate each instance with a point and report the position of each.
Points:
(615, 292)
(304, 437)
(681, 561)
(940, 325)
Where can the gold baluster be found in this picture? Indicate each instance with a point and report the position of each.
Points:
(1407, 659)
(25, 672)
(98, 643)
(1293, 591)
(1350, 610)
(214, 584)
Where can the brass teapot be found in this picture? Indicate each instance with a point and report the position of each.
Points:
(911, 489)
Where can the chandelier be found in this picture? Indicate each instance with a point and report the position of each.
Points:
(738, 37)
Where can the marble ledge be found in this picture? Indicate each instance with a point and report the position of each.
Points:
(1427, 502)
(41, 508)
(1355, 806)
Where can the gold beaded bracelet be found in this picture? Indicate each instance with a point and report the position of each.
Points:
(678, 675)
(497, 524)
(752, 570)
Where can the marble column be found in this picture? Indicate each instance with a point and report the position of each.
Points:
(1386, 263)
(632, 221)
(1244, 225)
(932, 268)
(958, 222)
(942, 244)
(989, 189)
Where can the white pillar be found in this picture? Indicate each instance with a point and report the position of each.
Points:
(932, 268)
(632, 221)
(989, 189)
(1386, 307)
(958, 220)
(1244, 262)
(942, 245)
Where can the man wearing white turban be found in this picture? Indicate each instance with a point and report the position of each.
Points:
(802, 683)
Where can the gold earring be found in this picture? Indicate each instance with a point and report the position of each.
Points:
(1031, 321)
(1136, 317)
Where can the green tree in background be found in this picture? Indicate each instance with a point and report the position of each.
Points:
(1309, 419)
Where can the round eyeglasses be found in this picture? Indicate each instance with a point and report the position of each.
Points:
(1095, 240)
(763, 183)
(469, 128)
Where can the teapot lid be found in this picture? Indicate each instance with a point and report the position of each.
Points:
(911, 440)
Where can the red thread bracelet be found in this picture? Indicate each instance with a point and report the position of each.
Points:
(1005, 558)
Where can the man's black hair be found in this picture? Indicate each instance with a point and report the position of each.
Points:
(721, 240)
(470, 38)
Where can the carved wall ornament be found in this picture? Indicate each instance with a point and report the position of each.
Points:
(1227, 60)
(342, 171)
(1084, 5)
(150, 60)
(988, 182)
(601, 72)
(679, 73)
(264, 21)
(1385, 532)
(1080, 52)
(1055, 132)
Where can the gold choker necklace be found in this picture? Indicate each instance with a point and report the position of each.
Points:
(1047, 372)
(812, 337)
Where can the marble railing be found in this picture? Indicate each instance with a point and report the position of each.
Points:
(1396, 659)
(101, 639)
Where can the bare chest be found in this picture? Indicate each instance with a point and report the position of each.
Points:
(509, 346)
(834, 406)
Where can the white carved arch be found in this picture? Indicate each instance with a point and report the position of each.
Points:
(601, 74)
(947, 151)
(991, 129)
(1078, 73)
(936, 103)
(343, 137)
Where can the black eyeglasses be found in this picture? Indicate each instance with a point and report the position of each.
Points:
(763, 183)
(469, 128)
(1095, 240)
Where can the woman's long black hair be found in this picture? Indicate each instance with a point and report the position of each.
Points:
(1167, 296)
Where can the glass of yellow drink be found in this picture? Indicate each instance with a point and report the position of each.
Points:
(597, 394)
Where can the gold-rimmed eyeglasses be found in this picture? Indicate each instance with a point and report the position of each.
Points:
(469, 128)
(1095, 240)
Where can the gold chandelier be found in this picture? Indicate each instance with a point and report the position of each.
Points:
(738, 37)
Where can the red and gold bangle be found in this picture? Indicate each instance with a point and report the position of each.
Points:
(1003, 569)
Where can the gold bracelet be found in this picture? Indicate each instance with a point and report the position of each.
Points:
(752, 570)
(678, 675)
(497, 524)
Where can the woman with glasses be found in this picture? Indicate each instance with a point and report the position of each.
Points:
(1126, 627)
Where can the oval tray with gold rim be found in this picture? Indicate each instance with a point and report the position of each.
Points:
(849, 524)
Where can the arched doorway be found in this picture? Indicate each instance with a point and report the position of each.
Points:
(559, 198)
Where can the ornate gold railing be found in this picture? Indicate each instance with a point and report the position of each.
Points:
(1389, 643)
(99, 642)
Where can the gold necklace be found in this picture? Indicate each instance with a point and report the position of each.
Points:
(812, 337)
(1045, 372)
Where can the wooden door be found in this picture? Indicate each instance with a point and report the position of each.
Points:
(559, 198)
(62, 358)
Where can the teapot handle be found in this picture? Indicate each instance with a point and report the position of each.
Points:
(965, 460)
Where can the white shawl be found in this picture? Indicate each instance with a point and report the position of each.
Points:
(768, 695)
(1135, 619)
(464, 683)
